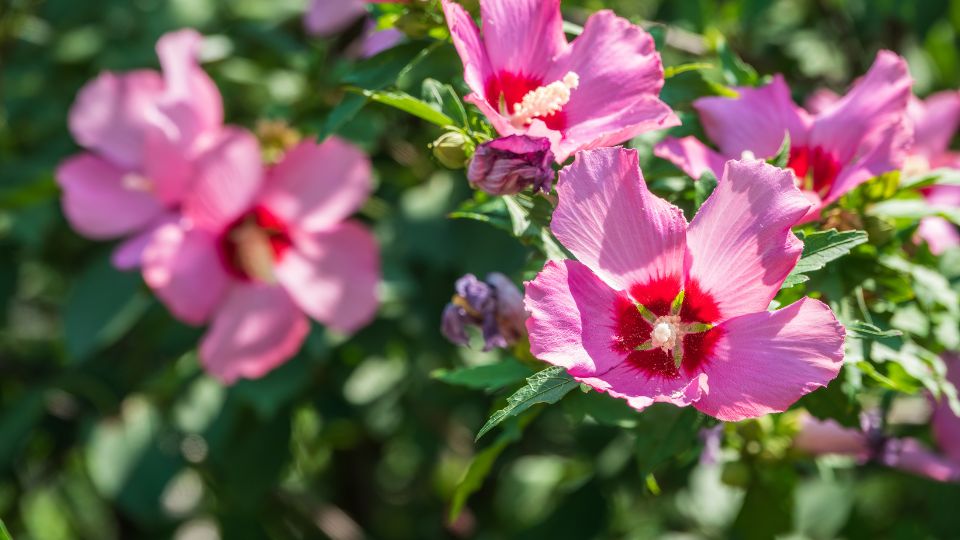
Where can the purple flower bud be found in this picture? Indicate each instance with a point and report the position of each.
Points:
(510, 164)
(495, 306)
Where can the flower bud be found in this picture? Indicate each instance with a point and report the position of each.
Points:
(452, 149)
(510, 164)
(494, 305)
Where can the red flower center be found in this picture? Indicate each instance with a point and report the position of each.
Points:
(816, 168)
(505, 90)
(253, 244)
(631, 330)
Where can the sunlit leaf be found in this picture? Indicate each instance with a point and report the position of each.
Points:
(546, 386)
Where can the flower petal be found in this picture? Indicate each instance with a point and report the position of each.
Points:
(756, 121)
(129, 254)
(333, 276)
(318, 185)
(229, 175)
(819, 437)
(690, 156)
(739, 245)
(184, 269)
(946, 424)
(326, 17)
(112, 112)
(191, 100)
(256, 329)
(522, 37)
(884, 152)
(469, 44)
(878, 100)
(764, 362)
(939, 234)
(935, 122)
(621, 76)
(912, 456)
(613, 224)
(100, 201)
(573, 324)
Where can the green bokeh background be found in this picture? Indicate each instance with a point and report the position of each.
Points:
(109, 429)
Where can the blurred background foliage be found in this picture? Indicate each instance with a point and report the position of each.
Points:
(109, 429)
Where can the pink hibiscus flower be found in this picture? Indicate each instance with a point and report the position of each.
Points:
(657, 310)
(142, 131)
(946, 424)
(258, 251)
(600, 90)
(327, 17)
(860, 136)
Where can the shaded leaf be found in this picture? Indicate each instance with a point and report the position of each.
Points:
(820, 248)
(488, 377)
(408, 104)
(546, 386)
(865, 330)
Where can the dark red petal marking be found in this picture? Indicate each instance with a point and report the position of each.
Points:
(277, 233)
(513, 87)
(817, 169)
(631, 330)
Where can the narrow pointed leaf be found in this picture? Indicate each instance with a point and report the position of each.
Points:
(546, 386)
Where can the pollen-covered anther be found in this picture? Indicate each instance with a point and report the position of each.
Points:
(544, 101)
(137, 182)
(254, 254)
(666, 333)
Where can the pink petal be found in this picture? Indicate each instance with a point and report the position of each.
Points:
(819, 437)
(690, 156)
(935, 122)
(229, 176)
(169, 169)
(191, 100)
(764, 362)
(333, 276)
(885, 151)
(129, 254)
(101, 201)
(821, 100)
(318, 185)
(473, 53)
(943, 195)
(376, 42)
(872, 105)
(756, 121)
(572, 324)
(939, 234)
(946, 424)
(522, 36)
(613, 224)
(740, 246)
(183, 268)
(620, 80)
(112, 112)
(326, 17)
(912, 456)
(254, 331)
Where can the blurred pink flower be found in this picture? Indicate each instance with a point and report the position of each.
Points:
(327, 17)
(602, 89)
(828, 437)
(258, 251)
(142, 131)
(860, 136)
(656, 310)
(946, 424)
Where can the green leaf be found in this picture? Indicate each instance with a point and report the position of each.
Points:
(444, 98)
(408, 104)
(519, 215)
(384, 69)
(572, 28)
(820, 248)
(914, 209)
(735, 70)
(783, 154)
(703, 188)
(865, 330)
(4, 533)
(546, 386)
(664, 433)
(103, 305)
(671, 71)
(488, 377)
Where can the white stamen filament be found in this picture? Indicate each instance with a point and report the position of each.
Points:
(137, 182)
(666, 333)
(544, 101)
(254, 252)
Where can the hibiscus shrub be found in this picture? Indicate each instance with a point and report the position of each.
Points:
(495, 268)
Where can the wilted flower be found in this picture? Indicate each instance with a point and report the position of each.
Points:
(258, 251)
(656, 310)
(511, 164)
(494, 305)
(602, 89)
(143, 132)
(862, 135)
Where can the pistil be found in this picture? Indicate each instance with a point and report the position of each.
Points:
(544, 101)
